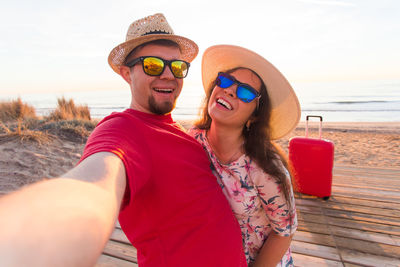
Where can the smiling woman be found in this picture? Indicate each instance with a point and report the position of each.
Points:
(248, 103)
(231, 97)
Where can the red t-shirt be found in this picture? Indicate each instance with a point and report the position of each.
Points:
(174, 211)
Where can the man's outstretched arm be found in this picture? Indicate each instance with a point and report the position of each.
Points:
(65, 221)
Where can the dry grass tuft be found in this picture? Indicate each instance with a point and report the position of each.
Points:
(16, 110)
(22, 133)
(68, 121)
(67, 110)
(77, 130)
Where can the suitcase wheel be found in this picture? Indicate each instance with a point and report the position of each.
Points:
(325, 198)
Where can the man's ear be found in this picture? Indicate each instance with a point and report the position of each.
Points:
(125, 73)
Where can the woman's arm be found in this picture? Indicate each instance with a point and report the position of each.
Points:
(282, 217)
(273, 250)
(65, 221)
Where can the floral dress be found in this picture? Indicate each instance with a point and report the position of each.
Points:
(256, 200)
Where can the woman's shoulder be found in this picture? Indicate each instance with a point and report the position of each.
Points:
(258, 175)
(196, 133)
(192, 130)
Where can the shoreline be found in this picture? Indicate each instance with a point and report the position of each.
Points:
(381, 127)
(356, 126)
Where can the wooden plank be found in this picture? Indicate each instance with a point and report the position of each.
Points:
(362, 191)
(366, 186)
(315, 250)
(351, 224)
(317, 228)
(367, 247)
(356, 216)
(300, 260)
(374, 185)
(309, 209)
(120, 250)
(363, 217)
(319, 234)
(370, 168)
(351, 265)
(375, 181)
(366, 175)
(118, 235)
(359, 216)
(340, 191)
(351, 198)
(355, 202)
(364, 235)
(365, 259)
(365, 170)
(108, 261)
(306, 217)
(347, 207)
(396, 239)
(364, 202)
(379, 198)
(314, 238)
(341, 210)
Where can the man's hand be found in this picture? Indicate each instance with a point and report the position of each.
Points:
(64, 221)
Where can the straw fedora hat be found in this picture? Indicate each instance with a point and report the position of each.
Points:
(285, 108)
(150, 28)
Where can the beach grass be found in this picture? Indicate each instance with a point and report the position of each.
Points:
(15, 110)
(18, 120)
(21, 132)
(68, 110)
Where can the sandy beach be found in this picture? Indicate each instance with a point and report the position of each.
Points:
(373, 144)
(361, 144)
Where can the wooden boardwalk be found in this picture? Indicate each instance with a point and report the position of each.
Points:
(358, 226)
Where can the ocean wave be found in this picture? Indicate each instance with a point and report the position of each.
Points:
(359, 102)
(351, 110)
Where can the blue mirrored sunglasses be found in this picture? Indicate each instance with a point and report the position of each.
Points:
(244, 92)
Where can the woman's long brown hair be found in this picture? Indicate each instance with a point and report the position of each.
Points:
(257, 139)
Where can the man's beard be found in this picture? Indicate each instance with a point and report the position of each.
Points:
(161, 108)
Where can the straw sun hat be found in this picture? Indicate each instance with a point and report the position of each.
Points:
(285, 106)
(148, 29)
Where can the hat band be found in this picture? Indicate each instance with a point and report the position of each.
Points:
(156, 32)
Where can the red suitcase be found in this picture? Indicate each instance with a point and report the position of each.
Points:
(311, 162)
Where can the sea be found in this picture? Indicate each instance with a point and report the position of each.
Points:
(345, 101)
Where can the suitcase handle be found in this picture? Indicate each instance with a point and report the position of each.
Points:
(320, 124)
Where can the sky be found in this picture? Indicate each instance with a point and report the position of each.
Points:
(63, 46)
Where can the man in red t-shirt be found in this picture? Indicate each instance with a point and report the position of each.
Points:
(138, 165)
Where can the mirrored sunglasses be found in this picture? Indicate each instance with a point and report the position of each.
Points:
(244, 92)
(155, 66)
